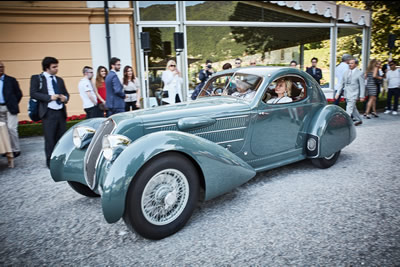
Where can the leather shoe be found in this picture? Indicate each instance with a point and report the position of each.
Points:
(357, 123)
(17, 153)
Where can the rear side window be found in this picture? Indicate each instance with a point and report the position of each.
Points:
(285, 89)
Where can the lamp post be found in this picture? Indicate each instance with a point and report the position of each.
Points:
(146, 47)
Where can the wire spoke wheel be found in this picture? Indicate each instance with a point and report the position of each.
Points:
(165, 196)
(162, 196)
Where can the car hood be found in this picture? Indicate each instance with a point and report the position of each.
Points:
(207, 107)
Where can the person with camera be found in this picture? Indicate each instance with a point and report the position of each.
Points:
(172, 91)
(203, 77)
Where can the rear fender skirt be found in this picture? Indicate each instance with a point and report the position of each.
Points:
(333, 129)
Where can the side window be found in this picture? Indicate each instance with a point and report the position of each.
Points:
(285, 89)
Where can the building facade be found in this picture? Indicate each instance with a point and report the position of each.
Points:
(75, 33)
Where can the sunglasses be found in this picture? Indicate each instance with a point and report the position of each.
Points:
(172, 65)
(237, 63)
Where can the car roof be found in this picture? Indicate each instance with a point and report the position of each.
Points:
(258, 70)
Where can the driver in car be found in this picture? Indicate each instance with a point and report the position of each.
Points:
(243, 90)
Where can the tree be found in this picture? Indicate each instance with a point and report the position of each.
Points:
(385, 21)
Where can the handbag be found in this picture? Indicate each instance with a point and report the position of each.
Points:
(102, 106)
(33, 105)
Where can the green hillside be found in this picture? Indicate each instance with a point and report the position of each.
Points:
(215, 43)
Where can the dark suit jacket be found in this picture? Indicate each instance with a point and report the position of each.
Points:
(318, 73)
(12, 94)
(42, 95)
(115, 92)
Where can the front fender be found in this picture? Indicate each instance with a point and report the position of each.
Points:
(222, 170)
(66, 162)
(333, 129)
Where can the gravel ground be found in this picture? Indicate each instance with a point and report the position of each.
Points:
(346, 215)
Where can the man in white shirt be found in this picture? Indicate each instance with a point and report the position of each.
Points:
(339, 72)
(88, 94)
(52, 96)
(393, 78)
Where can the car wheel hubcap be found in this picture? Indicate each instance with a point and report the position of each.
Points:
(165, 197)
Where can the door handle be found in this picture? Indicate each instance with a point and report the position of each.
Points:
(262, 113)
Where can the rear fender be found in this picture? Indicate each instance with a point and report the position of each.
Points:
(66, 160)
(333, 129)
(222, 171)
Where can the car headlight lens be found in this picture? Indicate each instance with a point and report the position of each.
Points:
(82, 136)
(113, 145)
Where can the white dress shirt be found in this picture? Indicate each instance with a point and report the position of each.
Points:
(52, 104)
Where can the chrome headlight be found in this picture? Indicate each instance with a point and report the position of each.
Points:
(82, 136)
(113, 145)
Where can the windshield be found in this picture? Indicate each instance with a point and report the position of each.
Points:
(237, 85)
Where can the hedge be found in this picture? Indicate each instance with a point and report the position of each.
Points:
(35, 129)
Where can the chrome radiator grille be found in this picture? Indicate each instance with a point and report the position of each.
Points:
(93, 152)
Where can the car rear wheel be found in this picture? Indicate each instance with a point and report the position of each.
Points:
(162, 196)
(82, 189)
(326, 162)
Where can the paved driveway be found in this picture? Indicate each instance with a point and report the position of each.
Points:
(295, 215)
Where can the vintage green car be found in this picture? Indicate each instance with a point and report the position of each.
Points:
(152, 166)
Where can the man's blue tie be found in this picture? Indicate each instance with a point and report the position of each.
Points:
(55, 87)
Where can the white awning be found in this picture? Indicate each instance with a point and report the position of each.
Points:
(329, 9)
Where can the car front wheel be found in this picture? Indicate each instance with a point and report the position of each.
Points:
(326, 162)
(162, 196)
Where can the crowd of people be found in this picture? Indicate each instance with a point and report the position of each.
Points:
(356, 85)
(108, 95)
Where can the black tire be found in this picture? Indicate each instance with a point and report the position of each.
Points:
(160, 196)
(82, 189)
(327, 162)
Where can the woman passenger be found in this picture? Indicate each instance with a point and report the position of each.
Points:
(284, 90)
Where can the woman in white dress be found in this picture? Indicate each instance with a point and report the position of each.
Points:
(172, 91)
(284, 90)
(131, 89)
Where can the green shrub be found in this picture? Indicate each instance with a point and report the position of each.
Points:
(36, 129)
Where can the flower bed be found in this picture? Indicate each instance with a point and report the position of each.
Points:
(28, 128)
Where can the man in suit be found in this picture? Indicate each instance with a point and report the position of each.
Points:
(354, 89)
(10, 96)
(315, 72)
(52, 96)
(339, 72)
(115, 101)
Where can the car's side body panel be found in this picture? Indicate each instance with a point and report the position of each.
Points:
(222, 171)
